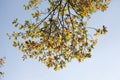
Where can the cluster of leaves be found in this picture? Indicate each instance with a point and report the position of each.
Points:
(2, 62)
(62, 34)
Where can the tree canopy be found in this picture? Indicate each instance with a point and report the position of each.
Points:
(60, 33)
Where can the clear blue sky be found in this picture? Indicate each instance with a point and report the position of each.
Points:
(104, 64)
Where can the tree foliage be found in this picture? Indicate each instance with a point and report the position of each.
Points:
(2, 62)
(60, 33)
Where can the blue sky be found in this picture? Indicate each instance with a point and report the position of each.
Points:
(104, 64)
